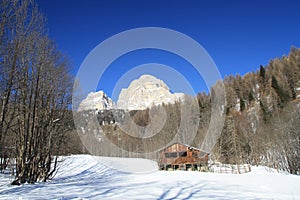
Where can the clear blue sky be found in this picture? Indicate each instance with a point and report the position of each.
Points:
(238, 35)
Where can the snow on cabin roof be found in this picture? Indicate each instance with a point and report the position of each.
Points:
(191, 147)
(188, 146)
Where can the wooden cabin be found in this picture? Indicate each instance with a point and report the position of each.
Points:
(182, 157)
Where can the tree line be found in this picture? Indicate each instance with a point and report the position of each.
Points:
(262, 116)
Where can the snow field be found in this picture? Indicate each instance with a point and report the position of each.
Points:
(88, 177)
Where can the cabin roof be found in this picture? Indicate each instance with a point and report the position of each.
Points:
(188, 146)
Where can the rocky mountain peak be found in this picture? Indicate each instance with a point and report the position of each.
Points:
(145, 92)
(141, 94)
(96, 100)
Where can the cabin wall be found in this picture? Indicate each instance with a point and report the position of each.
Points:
(178, 155)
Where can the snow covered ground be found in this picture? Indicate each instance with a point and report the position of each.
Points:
(84, 177)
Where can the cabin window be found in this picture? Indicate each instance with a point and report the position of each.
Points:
(171, 155)
(182, 154)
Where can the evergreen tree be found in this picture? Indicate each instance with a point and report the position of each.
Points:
(284, 97)
(262, 72)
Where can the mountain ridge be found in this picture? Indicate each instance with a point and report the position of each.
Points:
(142, 93)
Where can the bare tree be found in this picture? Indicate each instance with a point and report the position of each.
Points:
(36, 91)
(285, 142)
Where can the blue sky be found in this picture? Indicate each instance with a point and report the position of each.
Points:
(238, 35)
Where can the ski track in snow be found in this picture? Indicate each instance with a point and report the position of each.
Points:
(85, 177)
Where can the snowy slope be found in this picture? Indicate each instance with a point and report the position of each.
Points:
(84, 177)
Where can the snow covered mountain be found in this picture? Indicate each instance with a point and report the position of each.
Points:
(146, 92)
(96, 100)
(141, 94)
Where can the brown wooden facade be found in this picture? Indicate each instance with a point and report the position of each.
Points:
(182, 157)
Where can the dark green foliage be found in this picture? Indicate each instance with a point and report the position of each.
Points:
(284, 97)
(243, 104)
(262, 72)
(265, 112)
(234, 146)
(275, 84)
(250, 97)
